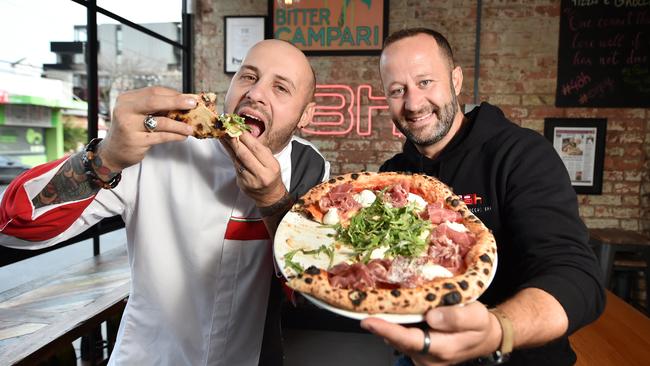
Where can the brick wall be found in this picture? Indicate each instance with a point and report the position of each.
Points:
(519, 41)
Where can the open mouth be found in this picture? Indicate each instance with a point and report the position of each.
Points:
(256, 125)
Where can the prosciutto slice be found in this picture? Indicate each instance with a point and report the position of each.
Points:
(398, 194)
(437, 214)
(340, 197)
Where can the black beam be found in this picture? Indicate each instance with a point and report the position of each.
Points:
(187, 32)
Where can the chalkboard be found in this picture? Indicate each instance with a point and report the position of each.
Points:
(604, 54)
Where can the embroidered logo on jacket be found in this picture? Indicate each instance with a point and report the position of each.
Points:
(475, 203)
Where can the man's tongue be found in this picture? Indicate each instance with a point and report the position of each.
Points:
(256, 126)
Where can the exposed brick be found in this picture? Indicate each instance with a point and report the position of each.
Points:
(630, 200)
(586, 211)
(630, 224)
(601, 223)
(610, 200)
(626, 188)
(517, 73)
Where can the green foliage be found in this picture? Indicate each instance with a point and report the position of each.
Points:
(73, 137)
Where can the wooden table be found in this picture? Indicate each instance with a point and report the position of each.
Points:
(621, 336)
(42, 316)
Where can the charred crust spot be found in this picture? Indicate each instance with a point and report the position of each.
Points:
(309, 280)
(485, 258)
(300, 201)
(299, 275)
(331, 181)
(395, 292)
(451, 298)
(406, 304)
(218, 124)
(354, 176)
(340, 178)
(436, 288)
(430, 297)
(380, 298)
(448, 199)
(463, 284)
(381, 307)
(486, 271)
(374, 292)
(448, 286)
(312, 270)
(473, 273)
(199, 128)
(480, 284)
(356, 297)
(327, 291)
(454, 202)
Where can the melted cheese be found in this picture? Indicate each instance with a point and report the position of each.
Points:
(456, 227)
(331, 217)
(430, 271)
(420, 203)
(379, 253)
(366, 198)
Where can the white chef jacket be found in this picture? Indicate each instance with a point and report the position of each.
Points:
(199, 254)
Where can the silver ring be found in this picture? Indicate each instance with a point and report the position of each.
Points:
(150, 123)
(427, 342)
(240, 169)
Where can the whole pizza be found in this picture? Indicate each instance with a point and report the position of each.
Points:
(393, 243)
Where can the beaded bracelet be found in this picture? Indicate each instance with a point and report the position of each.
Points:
(87, 159)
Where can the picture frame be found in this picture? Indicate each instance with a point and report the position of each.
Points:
(580, 143)
(240, 33)
(330, 27)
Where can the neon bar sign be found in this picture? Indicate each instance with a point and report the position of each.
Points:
(340, 110)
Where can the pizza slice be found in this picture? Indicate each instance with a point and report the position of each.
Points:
(207, 122)
(385, 243)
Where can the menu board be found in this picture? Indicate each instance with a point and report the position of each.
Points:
(604, 54)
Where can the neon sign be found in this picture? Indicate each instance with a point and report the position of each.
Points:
(341, 110)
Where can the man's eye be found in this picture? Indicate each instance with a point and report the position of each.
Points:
(425, 82)
(282, 89)
(248, 77)
(396, 92)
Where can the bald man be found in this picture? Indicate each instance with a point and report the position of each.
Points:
(199, 214)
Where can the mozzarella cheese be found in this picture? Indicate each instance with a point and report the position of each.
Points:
(365, 198)
(379, 253)
(456, 227)
(331, 217)
(430, 271)
(420, 203)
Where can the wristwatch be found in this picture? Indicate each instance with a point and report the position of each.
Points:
(502, 354)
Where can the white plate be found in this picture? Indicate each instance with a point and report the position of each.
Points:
(296, 231)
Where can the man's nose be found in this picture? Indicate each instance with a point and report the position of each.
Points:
(257, 93)
(414, 100)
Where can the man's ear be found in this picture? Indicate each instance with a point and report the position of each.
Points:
(307, 115)
(457, 79)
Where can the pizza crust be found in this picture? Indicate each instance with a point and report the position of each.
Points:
(466, 287)
(204, 118)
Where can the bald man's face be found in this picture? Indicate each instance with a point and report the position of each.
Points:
(272, 90)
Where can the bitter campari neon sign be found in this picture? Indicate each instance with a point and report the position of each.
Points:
(341, 110)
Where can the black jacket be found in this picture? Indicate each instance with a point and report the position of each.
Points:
(514, 181)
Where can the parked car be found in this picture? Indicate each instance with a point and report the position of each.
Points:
(10, 169)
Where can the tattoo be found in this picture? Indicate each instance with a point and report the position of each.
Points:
(68, 184)
(272, 215)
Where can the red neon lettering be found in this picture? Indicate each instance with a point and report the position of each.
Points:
(335, 106)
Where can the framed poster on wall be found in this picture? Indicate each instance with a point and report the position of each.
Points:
(240, 34)
(580, 142)
(331, 27)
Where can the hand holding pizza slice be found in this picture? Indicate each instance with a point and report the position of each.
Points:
(205, 120)
(389, 243)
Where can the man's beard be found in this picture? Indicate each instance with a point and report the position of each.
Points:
(445, 116)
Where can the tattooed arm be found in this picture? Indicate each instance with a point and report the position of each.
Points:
(70, 183)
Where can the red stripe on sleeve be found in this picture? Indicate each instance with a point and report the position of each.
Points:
(246, 230)
(16, 210)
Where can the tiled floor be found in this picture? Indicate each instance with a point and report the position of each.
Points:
(320, 348)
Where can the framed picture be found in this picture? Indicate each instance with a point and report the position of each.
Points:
(330, 27)
(240, 33)
(580, 142)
